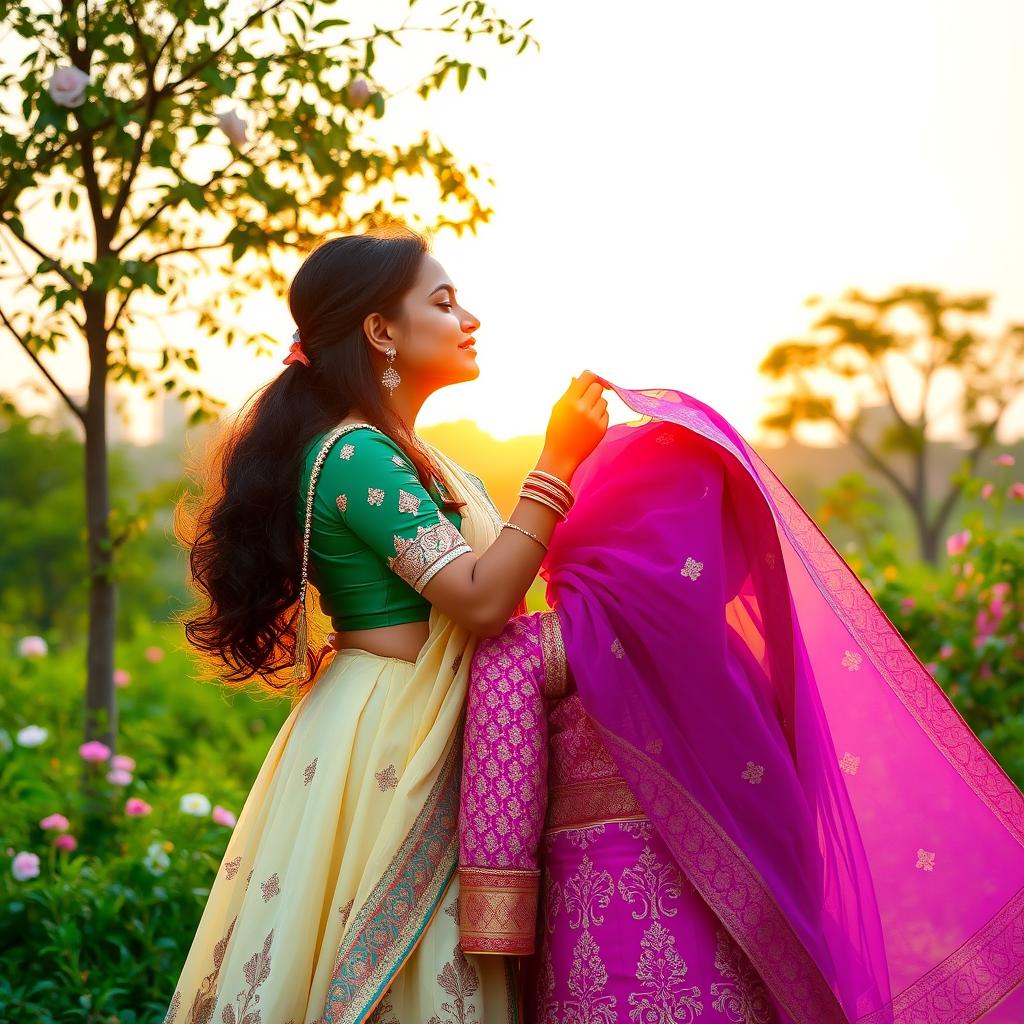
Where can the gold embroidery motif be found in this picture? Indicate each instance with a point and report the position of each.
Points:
(925, 860)
(342, 502)
(459, 980)
(849, 763)
(662, 972)
(386, 778)
(408, 502)
(347, 451)
(587, 979)
(654, 745)
(270, 888)
(650, 883)
(172, 1010)
(309, 772)
(587, 892)
(256, 971)
(456, 663)
(617, 649)
(578, 805)
(419, 559)
(231, 867)
(692, 568)
(581, 838)
(742, 997)
(382, 1008)
(343, 913)
(753, 773)
(205, 999)
(851, 660)
(248, 879)
(374, 496)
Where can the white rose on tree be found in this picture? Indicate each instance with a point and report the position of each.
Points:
(233, 126)
(67, 87)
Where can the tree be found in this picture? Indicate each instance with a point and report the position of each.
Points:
(118, 125)
(861, 354)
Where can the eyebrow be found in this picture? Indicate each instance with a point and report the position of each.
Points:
(441, 287)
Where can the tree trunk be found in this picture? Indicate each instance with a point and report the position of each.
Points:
(100, 695)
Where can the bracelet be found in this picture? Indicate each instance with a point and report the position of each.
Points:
(542, 487)
(528, 534)
(551, 478)
(544, 501)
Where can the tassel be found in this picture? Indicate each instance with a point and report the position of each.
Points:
(299, 671)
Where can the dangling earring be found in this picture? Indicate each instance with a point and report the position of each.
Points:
(391, 379)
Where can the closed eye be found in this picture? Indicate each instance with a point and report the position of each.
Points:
(448, 305)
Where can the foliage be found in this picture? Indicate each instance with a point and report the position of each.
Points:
(103, 931)
(904, 353)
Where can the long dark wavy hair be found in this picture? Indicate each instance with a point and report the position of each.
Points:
(241, 531)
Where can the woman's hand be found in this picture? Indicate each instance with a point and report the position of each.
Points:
(578, 422)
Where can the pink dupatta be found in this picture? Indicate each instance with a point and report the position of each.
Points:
(811, 778)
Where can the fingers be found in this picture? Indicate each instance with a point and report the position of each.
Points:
(580, 384)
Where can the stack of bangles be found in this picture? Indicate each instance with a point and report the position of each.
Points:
(548, 490)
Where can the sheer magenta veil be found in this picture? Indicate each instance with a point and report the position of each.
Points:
(810, 777)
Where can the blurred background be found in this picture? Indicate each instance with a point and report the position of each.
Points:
(805, 215)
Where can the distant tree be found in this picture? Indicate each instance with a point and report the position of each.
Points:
(863, 354)
(114, 122)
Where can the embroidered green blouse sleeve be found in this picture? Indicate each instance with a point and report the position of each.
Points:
(379, 497)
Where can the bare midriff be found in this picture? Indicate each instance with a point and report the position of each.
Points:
(404, 640)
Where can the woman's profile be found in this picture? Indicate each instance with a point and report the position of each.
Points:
(336, 899)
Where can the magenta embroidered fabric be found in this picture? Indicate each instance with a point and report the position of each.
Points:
(804, 771)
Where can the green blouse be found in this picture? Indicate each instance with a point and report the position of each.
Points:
(377, 537)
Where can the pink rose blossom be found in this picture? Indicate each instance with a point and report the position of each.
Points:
(122, 677)
(957, 543)
(946, 651)
(136, 808)
(222, 816)
(25, 866)
(986, 491)
(968, 568)
(123, 761)
(94, 751)
(66, 842)
(1016, 491)
(67, 86)
(55, 821)
(154, 654)
(32, 647)
(1005, 460)
(119, 777)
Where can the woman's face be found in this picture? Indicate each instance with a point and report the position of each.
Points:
(427, 339)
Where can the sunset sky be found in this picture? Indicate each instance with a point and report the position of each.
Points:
(673, 180)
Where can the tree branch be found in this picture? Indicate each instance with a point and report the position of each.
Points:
(72, 405)
(73, 284)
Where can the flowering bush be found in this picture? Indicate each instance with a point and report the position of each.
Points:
(100, 896)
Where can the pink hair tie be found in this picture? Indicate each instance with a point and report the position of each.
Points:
(295, 353)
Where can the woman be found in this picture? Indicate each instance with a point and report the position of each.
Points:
(335, 900)
(713, 782)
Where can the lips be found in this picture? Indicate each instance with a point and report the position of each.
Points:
(468, 344)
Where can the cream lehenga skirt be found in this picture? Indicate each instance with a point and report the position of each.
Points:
(336, 898)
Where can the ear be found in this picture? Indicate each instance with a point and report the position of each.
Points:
(377, 332)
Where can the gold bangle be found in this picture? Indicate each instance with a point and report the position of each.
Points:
(544, 501)
(528, 534)
(550, 477)
(552, 492)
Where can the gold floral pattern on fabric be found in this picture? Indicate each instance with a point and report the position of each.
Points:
(456, 663)
(741, 997)
(661, 971)
(270, 888)
(375, 496)
(654, 745)
(347, 450)
(408, 502)
(692, 568)
(617, 649)
(498, 910)
(231, 867)
(581, 838)
(587, 892)
(649, 884)
(387, 778)
(925, 860)
(753, 773)
(205, 999)
(553, 655)
(581, 804)
(419, 559)
(256, 971)
(851, 660)
(342, 502)
(343, 913)
(309, 772)
(588, 977)
(849, 763)
(459, 980)
(384, 1012)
